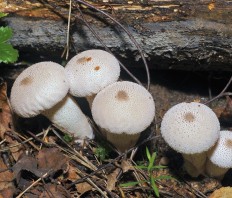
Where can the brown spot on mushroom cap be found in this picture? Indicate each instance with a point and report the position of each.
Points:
(26, 81)
(97, 68)
(189, 117)
(228, 143)
(122, 96)
(82, 60)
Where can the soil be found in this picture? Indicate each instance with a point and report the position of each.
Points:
(168, 88)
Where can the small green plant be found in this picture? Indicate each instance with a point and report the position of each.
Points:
(149, 168)
(101, 153)
(67, 138)
(7, 53)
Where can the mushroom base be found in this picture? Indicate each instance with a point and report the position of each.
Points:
(67, 115)
(215, 171)
(194, 164)
(122, 141)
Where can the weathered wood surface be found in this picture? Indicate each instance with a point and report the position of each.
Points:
(174, 34)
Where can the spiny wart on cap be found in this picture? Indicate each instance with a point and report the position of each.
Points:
(26, 81)
(122, 96)
(189, 117)
(83, 60)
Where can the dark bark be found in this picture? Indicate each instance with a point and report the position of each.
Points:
(187, 35)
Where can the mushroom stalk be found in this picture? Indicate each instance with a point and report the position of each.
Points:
(215, 171)
(122, 141)
(69, 116)
(194, 164)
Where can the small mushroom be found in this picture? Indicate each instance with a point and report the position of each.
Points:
(123, 110)
(191, 129)
(42, 88)
(220, 156)
(90, 71)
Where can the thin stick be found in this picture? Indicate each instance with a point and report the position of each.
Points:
(29, 187)
(19, 144)
(68, 29)
(222, 92)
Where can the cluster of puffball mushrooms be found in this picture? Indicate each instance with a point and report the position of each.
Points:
(193, 130)
(121, 109)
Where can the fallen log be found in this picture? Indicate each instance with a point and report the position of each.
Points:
(174, 34)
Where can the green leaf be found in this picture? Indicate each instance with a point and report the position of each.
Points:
(151, 161)
(159, 167)
(148, 154)
(5, 34)
(7, 53)
(67, 138)
(3, 14)
(154, 187)
(141, 167)
(130, 184)
(163, 177)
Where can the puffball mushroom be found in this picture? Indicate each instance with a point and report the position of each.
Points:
(42, 88)
(90, 71)
(123, 110)
(191, 129)
(220, 156)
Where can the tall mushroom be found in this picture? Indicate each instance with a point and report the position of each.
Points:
(220, 156)
(42, 88)
(90, 71)
(123, 110)
(191, 129)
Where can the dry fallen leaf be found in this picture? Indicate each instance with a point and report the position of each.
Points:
(52, 190)
(7, 192)
(51, 159)
(83, 187)
(112, 179)
(5, 111)
(73, 175)
(6, 122)
(224, 192)
(126, 166)
(6, 177)
(25, 171)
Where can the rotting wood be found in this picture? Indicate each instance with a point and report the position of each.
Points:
(189, 35)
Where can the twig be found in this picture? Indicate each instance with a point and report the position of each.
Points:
(68, 29)
(29, 187)
(222, 92)
(18, 144)
(74, 152)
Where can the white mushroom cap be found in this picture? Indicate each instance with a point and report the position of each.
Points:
(221, 153)
(190, 127)
(37, 88)
(90, 71)
(123, 107)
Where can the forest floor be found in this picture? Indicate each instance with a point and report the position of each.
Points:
(38, 160)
